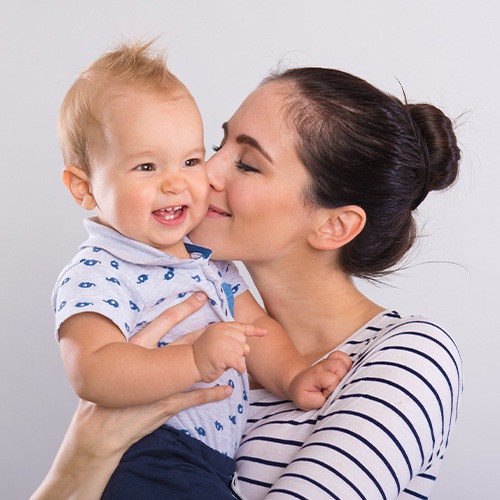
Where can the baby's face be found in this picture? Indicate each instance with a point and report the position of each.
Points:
(149, 180)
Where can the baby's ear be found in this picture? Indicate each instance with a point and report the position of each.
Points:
(78, 184)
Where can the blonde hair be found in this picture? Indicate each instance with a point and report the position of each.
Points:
(133, 65)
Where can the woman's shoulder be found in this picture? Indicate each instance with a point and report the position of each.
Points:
(406, 352)
(410, 349)
(391, 331)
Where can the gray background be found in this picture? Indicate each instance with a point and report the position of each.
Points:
(445, 52)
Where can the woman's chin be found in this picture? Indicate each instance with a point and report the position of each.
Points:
(203, 236)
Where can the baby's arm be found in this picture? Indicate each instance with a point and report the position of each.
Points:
(275, 363)
(105, 369)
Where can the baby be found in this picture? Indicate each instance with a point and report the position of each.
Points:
(132, 142)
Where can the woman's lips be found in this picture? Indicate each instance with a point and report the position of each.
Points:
(215, 212)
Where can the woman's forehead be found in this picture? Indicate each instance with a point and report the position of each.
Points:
(261, 113)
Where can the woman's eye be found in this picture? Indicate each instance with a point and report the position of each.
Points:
(246, 168)
(192, 162)
(145, 167)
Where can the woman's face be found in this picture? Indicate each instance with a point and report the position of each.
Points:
(257, 211)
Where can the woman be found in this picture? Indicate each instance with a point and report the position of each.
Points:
(315, 182)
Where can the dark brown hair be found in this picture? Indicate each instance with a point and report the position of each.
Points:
(364, 147)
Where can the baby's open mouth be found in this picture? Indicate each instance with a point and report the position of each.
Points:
(170, 213)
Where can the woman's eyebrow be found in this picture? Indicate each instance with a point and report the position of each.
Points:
(250, 141)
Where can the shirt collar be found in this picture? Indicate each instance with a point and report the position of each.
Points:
(133, 251)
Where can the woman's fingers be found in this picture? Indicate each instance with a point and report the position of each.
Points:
(179, 402)
(142, 420)
(154, 331)
(97, 430)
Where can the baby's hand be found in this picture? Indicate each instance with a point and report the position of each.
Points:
(222, 346)
(311, 388)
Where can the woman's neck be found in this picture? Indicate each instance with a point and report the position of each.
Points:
(319, 309)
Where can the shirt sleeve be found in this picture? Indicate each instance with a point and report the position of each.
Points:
(383, 432)
(93, 284)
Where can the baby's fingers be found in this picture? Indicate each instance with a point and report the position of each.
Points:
(328, 382)
(337, 362)
(237, 362)
(249, 329)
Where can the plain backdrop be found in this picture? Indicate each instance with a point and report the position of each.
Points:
(444, 52)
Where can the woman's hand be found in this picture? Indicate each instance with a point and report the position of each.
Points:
(97, 436)
(150, 335)
(103, 432)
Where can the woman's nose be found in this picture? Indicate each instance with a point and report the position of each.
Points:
(215, 171)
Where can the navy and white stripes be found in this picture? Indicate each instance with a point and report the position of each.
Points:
(382, 433)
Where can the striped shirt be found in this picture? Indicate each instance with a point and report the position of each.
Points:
(381, 434)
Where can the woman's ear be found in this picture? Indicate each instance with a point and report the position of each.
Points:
(337, 227)
(78, 184)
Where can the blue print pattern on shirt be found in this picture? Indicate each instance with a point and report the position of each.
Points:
(131, 294)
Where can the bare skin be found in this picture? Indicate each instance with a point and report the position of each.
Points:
(318, 304)
(257, 166)
(148, 181)
(97, 436)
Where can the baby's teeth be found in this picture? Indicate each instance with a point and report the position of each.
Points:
(169, 209)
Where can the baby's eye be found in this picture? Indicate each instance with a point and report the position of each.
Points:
(145, 167)
(216, 148)
(192, 162)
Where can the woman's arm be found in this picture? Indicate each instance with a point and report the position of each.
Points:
(88, 454)
(97, 437)
(383, 431)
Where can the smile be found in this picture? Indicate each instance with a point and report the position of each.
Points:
(171, 215)
(214, 212)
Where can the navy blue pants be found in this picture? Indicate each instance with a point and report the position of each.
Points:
(167, 464)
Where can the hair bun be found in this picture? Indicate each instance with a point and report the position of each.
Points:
(440, 149)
